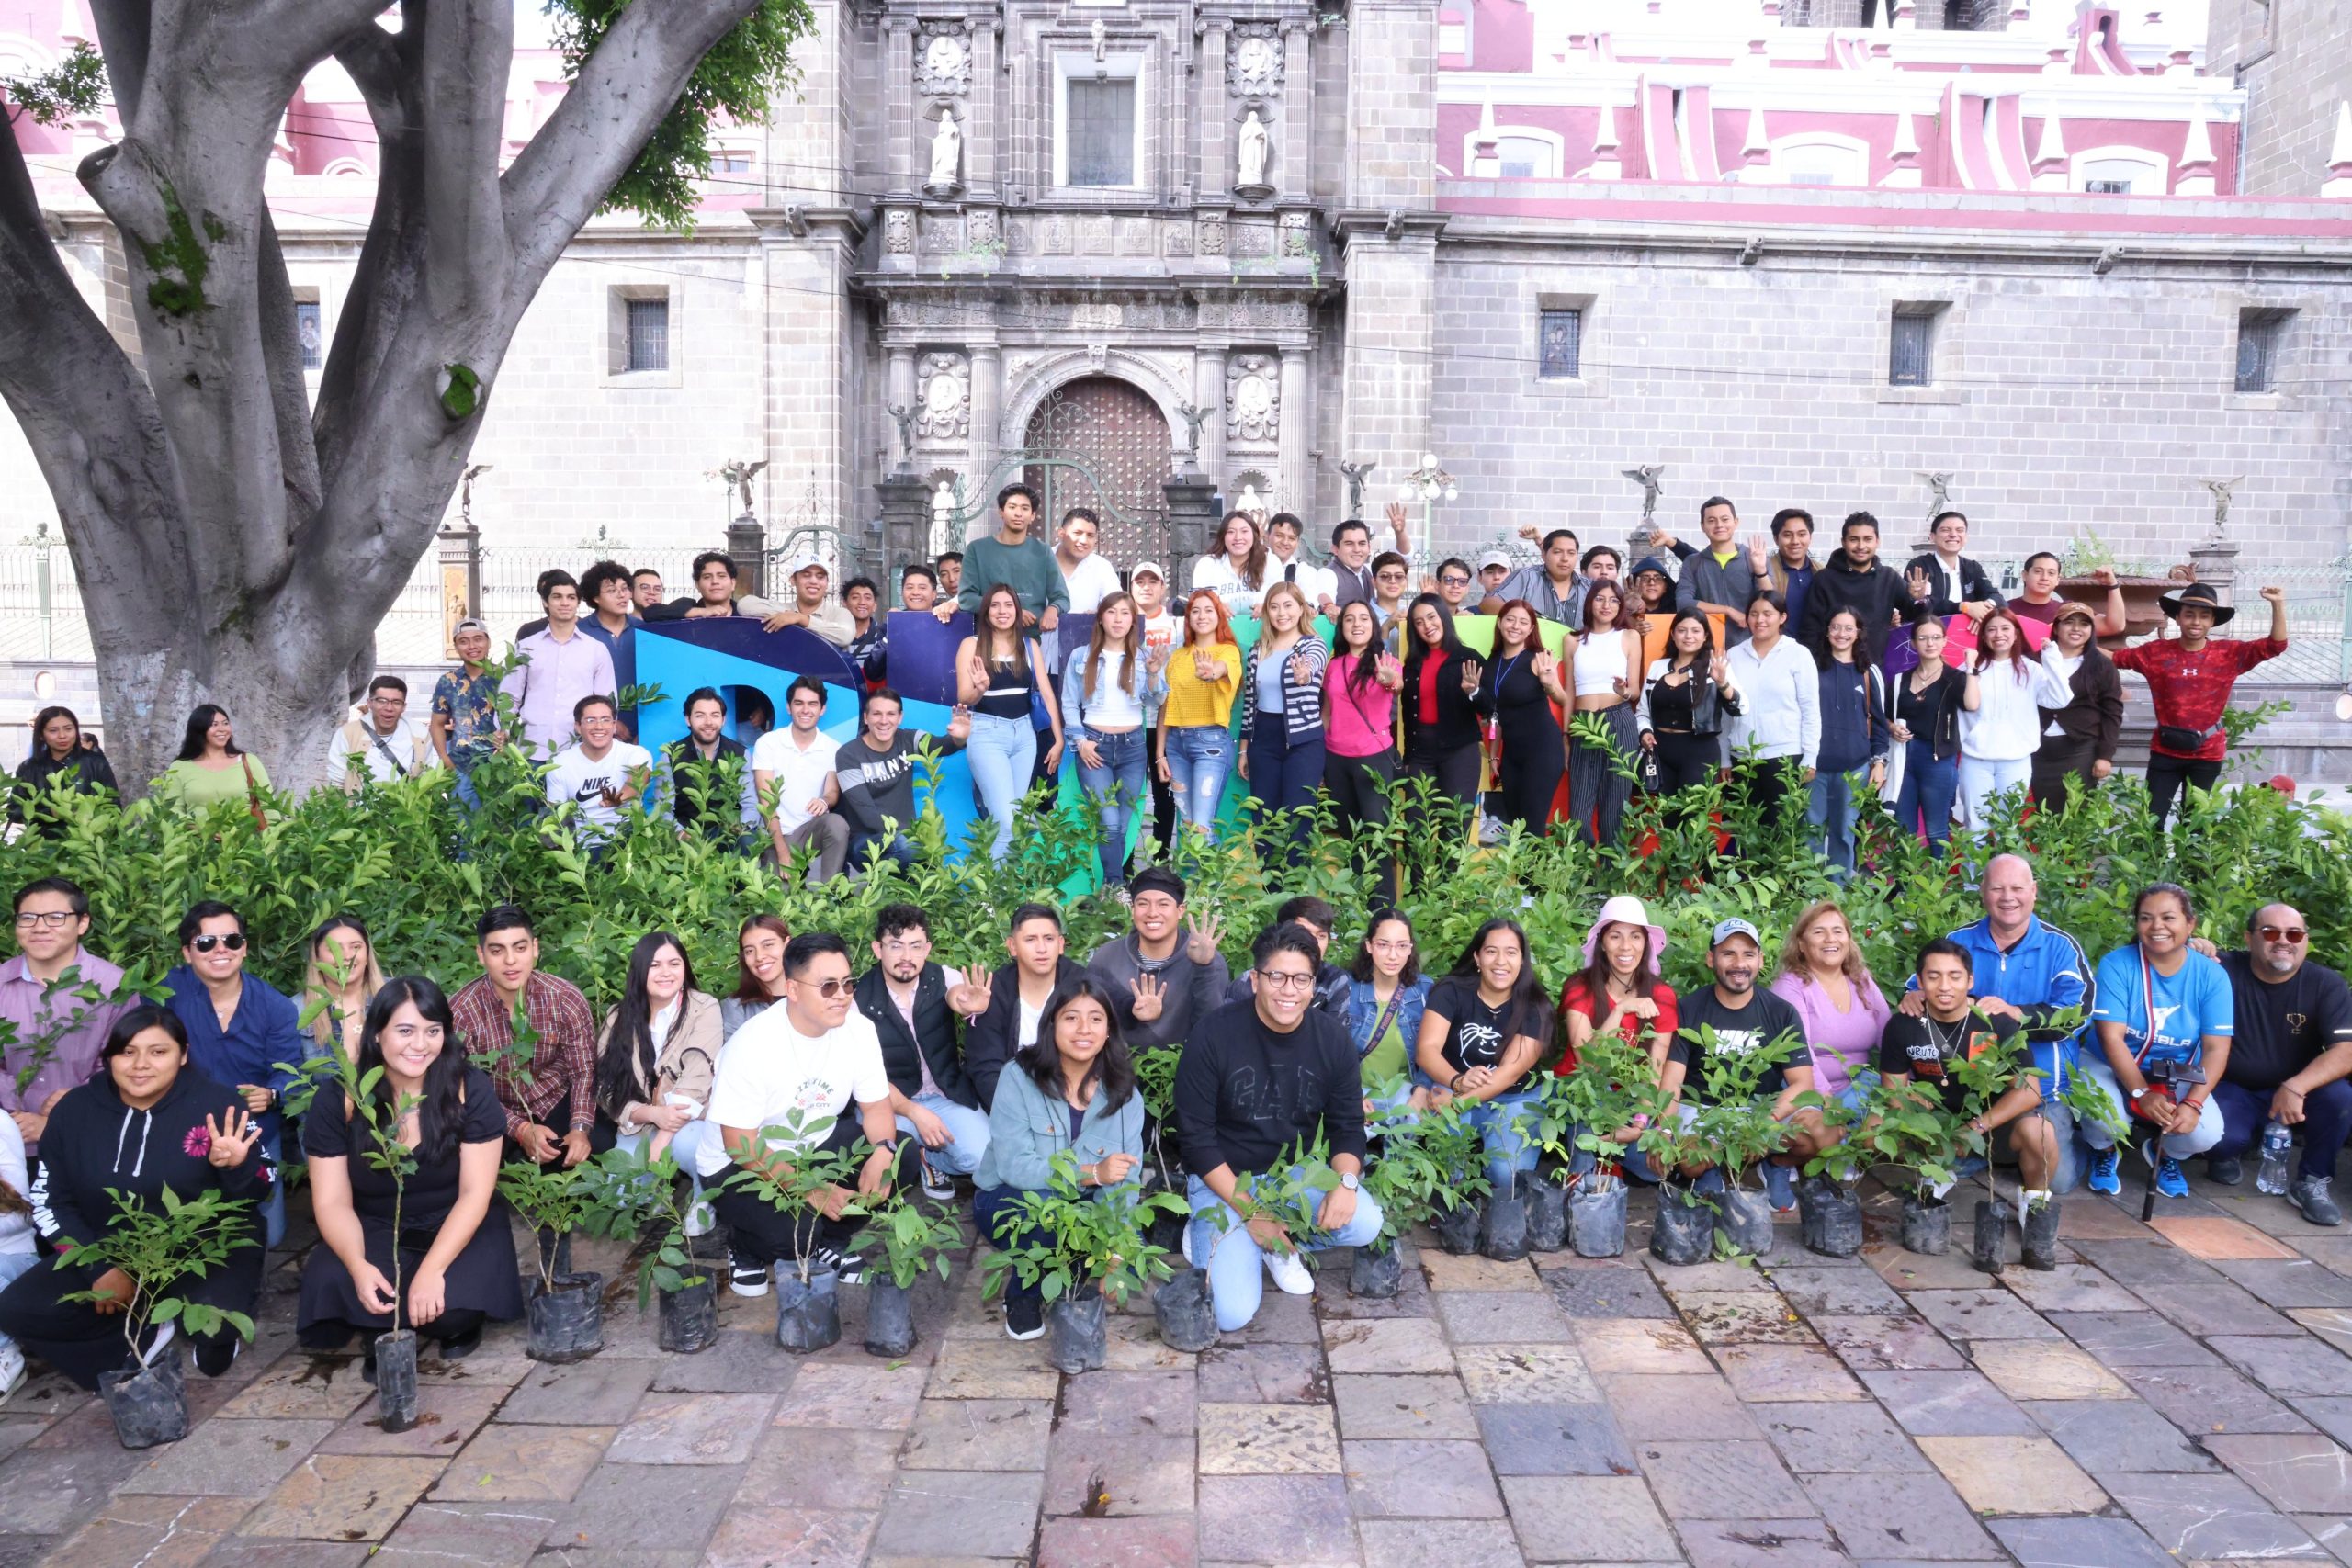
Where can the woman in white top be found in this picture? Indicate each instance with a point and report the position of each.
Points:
(16, 1253)
(1236, 574)
(1148, 587)
(1108, 689)
(1779, 724)
(1997, 738)
(1606, 662)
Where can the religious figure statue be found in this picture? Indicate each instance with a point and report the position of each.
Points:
(943, 512)
(2222, 489)
(1940, 492)
(947, 150)
(738, 475)
(1253, 152)
(904, 418)
(1253, 503)
(1357, 473)
(1194, 416)
(1646, 476)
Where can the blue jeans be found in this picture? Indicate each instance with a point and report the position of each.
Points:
(1924, 803)
(685, 1145)
(1504, 1123)
(1830, 808)
(866, 848)
(463, 786)
(1120, 783)
(2327, 1121)
(1235, 1269)
(1199, 758)
(967, 1136)
(11, 1265)
(1003, 751)
(1284, 774)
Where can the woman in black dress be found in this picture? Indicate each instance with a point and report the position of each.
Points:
(1441, 726)
(456, 1254)
(1520, 685)
(147, 1122)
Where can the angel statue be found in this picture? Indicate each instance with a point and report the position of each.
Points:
(2222, 489)
(740, 475)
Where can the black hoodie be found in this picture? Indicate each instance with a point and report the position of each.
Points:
(1878, 597)
(94, 1142)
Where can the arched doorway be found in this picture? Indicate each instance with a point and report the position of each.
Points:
(1101, 441)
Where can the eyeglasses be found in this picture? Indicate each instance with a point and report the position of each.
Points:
(53, 919)
(828, 989)
(2292, 935)
(1455, 582)
(1282, 980)
(235, 942)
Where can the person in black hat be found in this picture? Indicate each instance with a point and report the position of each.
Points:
(2189, 679)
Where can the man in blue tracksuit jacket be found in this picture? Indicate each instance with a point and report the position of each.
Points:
(2032, 972)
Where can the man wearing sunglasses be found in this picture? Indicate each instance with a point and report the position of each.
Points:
(61, 1024)
(2289, 1060)
(241, 1031)
(786, 1088)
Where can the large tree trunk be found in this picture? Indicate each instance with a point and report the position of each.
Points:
(233, 544)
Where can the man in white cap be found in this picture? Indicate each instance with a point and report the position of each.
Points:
(1493, 567)
(809, 607)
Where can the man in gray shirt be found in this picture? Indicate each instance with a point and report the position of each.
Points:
(1166, 974)
(1555, 586)
(1718, 580)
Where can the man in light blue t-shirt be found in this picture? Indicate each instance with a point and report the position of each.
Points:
(2164, 1014)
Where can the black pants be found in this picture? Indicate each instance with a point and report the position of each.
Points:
(1598, 792)
(1527, 775)
(1355, 785)
(2166, 775)
(758, 1232)
(1770, 781)
(1684, 759)
(77, 1340)
(1163, 800)
(2054, 762)
(334, 1333)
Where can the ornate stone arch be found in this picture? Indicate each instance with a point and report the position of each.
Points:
(1059, 369)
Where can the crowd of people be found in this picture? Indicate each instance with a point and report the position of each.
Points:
(1844, 680)
(831, 1042)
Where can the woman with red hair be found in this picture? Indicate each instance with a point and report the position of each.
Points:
(1197, 722)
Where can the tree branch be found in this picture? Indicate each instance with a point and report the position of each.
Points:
(125, 30)
(624, 89)
(281, 352)
(467, 63)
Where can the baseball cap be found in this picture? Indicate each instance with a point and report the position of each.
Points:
(802, 563)
(1726, 930)
(1150, 567)
(468, 625)
(1494, 558)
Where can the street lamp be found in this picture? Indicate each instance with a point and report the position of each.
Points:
(1428, 484)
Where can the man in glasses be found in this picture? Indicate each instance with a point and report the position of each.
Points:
(2035, 974)
(60, 997)
(1257, 1078)
(1453, 581)
(2290, 1061)
(786, 1087)
(241, 1031)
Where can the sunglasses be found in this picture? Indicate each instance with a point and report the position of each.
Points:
(2292, 935)
(828, 989)
(235, 942)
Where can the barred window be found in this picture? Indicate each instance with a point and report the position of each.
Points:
(648, 335)
(2260, 332)
(1102, 132)
(307, 331)
(1560, 338)
(1911, 348)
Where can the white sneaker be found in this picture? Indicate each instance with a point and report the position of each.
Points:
(700, 1217)
(1289, 1275)
(12, 1371)
(164, 1337)
(1186, 1242)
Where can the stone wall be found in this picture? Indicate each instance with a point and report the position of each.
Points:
(2063, 402)
(2294, 58)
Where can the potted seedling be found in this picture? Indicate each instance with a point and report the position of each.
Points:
(1995, 1067)
(914, 1240)
(1684, 1231)
(1405, 1179)
(1905, 1125)
(156, 1248)
(1554, 1132)
(1155, 1082)
(566, 1311)
(808, 1184)
(1075, 1249)
(1737, 1126)
(1455, 1143)
(1614, 1090)
(630, 1195)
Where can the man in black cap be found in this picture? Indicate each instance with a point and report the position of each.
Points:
(2189, 679)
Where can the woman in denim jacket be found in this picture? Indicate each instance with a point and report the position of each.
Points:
(1385, 993)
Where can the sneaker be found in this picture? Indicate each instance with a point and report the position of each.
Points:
(700, 1218)
(2310, 1195)
(162, 1342)
(12, 1371)
(218, 1354)
(1187, 1233)
(937, 1187)
(1291, 1276)
(1780, 1185)
(2224, 1170)
(2107, 1171)
(2171, 1180)
(746, 1278)
(1024, 1317)
(848, 1268)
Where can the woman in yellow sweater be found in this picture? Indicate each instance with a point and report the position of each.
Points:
(1196, 724)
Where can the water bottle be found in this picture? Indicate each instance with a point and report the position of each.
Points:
(2275, 1142)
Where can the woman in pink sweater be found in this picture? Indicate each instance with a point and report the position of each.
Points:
(1824, 977)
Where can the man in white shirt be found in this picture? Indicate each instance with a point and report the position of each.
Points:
(560, 666)
(1087, 576)
(1284, 564)
(379, 744)
(810, 607)
(601, 775)
(793, 769)
(784, 1087)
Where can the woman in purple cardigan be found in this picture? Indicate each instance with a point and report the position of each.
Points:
(1824, 977)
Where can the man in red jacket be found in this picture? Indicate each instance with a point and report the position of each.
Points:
(2189, 679)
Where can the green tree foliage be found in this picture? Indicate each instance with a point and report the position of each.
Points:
(75, 86)
(737, 80)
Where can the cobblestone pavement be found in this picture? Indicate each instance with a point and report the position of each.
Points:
(2180, 1393)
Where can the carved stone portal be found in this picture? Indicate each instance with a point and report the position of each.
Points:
(943, 63)
(1253, 398)
(1253, 61)
(946, 409)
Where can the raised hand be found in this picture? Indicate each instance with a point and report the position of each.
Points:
(2274, 594)
(971, 997)
(1201, 937)
(1530, 532)
(1718, 671)
(959, 723)
(1149, 999)
(2103, 576)
(1760, 558)
(1472, 673)
(1389, 670)
(233, 1138)
(1916, 580)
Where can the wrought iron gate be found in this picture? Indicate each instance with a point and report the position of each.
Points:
(1101, 441)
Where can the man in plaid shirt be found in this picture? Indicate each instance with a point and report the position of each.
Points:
(560, 1080)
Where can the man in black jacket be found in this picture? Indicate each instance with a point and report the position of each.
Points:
(1947, 582)
(905, 996)
(1855, 578)
(1259, 1077)
(1003, 1009)
(728, 810)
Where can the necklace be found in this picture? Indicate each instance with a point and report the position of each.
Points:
(1947, 1045)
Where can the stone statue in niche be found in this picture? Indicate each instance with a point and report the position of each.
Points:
(1253, 401)
(1253, 149)
(945, 65)
(946, 396)
(946, 155)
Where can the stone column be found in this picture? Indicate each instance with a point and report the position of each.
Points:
(981, 121)
(988, 411)
(2216, 560)
(906, 525)
(898, 98)
(1295, 158)
(1294, 441)
(1208, 392)
(747, 546)
(899, 391)
(1192, 517)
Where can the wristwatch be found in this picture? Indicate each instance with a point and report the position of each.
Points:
(1348, 1180)
(2140, 1091)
